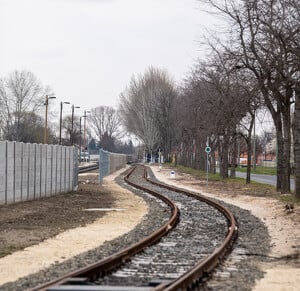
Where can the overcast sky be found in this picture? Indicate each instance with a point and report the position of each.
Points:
(87, 50)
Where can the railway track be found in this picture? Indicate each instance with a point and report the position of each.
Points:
(170, 258)
(87, 168)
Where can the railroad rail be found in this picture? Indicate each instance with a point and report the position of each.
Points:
(80, 279)
(89, 167)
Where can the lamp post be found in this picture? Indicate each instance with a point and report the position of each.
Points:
(46, 116)
(84, 128)
(60, 119)
(72, 122)
(80, 141)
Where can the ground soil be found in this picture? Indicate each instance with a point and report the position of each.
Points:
(26, 223)
(45, 221)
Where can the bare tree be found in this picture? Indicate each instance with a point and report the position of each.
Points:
(72, 132)
(105, 122)
(145, 107)
(22, 95)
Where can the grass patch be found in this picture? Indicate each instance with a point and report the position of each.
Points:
(7, 250)
(238, 185)
(259, 170)
(196, 173)
(289, 198)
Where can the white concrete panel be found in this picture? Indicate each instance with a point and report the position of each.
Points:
(54, 169)
(49, 171)
(59, 168)
(38, 171)
(3, 172)
(31, 172)
(44, 170)
(25, 185)
(10, 172)
(18, 171)
(67, 169)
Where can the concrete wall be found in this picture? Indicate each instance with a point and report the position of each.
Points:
(109, 163)
(31, 171)
(116, 162)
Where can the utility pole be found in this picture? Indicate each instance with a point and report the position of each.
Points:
(46, 117)
(84, 128)
(72, 124)
(60, 118)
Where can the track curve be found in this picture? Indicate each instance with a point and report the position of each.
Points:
(183, 281)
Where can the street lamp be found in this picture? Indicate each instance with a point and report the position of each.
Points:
(46, 116)
(60, 119)
(80, 144)
(72, 122)
(84, 129)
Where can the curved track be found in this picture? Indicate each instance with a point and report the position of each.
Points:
(185, 274)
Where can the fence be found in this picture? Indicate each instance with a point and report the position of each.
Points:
(109, 163)
(31, 171)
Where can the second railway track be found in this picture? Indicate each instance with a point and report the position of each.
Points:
(176, 262)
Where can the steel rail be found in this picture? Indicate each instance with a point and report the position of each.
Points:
(91, 167)
(94, 271)
(206, 265)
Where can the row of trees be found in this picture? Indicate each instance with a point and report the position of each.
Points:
(22, 117)
(256, 67)
(264, 45)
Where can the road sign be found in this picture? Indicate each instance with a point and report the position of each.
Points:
(208, 150)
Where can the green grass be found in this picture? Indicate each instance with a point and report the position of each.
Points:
(255, 186)
(259, 170)
(7, 250)
(197, 173)
(289, 198)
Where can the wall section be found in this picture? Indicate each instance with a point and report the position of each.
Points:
(32, 171)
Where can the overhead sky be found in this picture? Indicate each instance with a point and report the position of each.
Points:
(87, 50)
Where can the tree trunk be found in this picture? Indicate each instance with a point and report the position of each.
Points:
(249, 148)
(296, 131)
(286, 167)
(283, 156)
(224, 158)
(233, 158)
(213, 163)
(249, 152)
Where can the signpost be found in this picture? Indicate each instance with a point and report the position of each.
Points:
(207, 150)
